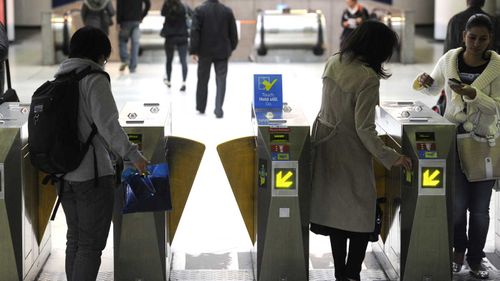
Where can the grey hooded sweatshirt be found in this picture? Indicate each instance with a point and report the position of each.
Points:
(98, 106)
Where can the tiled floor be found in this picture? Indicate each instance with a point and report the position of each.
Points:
(211, 227)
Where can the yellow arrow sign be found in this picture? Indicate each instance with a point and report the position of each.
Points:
(283, 181)
(430, 179)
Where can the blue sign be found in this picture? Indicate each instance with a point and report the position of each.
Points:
(268, 91)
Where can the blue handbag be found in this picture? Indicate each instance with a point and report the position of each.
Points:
(149, 192)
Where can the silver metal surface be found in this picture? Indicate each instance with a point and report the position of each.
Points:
(283, 215)
(392, 116)
(418, 202)
(150, 28)
(22, 255)
(290, 29)
(141, 246)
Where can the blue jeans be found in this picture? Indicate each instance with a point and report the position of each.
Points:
(129, 29)
(474, 197)
(88, 209)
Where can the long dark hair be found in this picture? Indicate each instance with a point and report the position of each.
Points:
(372, 43)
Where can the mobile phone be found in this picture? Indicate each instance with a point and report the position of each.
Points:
(454, 81)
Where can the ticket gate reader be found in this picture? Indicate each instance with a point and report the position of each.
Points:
(418, 220)
(25, 205)
(142, 240)
(275, 202)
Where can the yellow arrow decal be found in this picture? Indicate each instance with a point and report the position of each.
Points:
(268, 85)
(430, 180)
(282, 181)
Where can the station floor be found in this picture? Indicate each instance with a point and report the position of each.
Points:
(211, 242)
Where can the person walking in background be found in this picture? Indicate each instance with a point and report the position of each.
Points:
(129, 15)
(175, 30)
(344, 141)
(89, 190)
(213, 38)
(98, 13)
(352, 17)
(473, 105)
(456, 25)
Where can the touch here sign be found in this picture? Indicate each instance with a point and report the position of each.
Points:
(268, 91)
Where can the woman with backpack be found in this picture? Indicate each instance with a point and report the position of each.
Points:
(98, 14)
(176, 32)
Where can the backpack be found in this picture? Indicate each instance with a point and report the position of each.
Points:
(54, 145)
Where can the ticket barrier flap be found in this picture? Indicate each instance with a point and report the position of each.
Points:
(238, 158)
(47, 197)
(184, 158)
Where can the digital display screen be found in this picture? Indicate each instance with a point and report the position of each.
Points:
(284, 178)
(425, 136)
(137, 139)
(432, 177)
(279, 137)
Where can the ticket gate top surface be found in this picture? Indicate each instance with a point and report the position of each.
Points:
(392, 116)
(13, 114)
(145, 114)
(288, 116)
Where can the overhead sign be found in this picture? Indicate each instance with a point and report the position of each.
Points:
(285, 178)
(432, 177)
(268, 91)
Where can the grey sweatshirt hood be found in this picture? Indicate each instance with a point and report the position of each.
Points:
(96, 5)
(78, 64)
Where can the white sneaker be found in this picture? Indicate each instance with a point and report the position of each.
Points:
(167, 82)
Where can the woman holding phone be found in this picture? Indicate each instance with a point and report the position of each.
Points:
(470, 76)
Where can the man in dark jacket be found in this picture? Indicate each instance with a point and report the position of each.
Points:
(129, 14)
(213, 39)
(456, 25)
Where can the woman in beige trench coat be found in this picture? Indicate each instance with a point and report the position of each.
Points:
(345, 142)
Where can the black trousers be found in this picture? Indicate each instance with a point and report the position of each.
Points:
(204, 65)
(357, 248)
(169, 51)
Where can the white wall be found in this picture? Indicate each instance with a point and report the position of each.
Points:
(444, 10)
(28, 12)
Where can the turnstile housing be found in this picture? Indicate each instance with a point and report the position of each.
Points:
(283, 195)
(25, 239)
(418, 210)
(141, 241)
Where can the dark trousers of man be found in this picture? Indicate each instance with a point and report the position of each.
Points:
(474, 197)
(357, 247)
(204, 65)
(88, 208)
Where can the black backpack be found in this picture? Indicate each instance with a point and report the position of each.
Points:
(53, 140)
(54, 145)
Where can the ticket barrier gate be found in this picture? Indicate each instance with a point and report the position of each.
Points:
(25, 205)
(418, 223)
(270, 177)
(142, 240)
